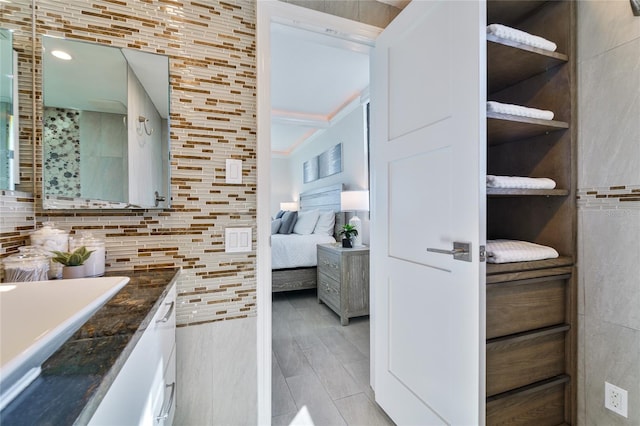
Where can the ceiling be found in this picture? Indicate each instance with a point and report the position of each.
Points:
(315, 80)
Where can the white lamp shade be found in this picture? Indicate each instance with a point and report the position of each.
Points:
(289, 206)
(352, 201)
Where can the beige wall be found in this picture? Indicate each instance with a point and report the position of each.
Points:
(608, 208)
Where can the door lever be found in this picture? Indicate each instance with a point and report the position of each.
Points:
(461, 251)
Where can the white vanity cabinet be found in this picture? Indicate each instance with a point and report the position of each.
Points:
(144, 391)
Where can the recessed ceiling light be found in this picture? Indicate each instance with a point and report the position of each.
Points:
(61, 55)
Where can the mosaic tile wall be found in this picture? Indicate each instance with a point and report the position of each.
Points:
(17, 216)
(61, 164)
(211, 46)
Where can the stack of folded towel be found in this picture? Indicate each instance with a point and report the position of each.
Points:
(500, 108)
(519, 182)
(518, 36)
(507, 251)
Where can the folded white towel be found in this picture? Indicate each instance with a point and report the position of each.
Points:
(506, 251)
(509, 33)
(518, 182)
(493, 106)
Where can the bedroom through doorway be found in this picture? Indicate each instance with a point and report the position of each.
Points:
(319, 100)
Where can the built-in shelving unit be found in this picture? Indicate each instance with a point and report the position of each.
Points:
(509, 192)
(504, 128)
(530, 323)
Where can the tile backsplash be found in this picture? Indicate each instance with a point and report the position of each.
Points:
(211, 49)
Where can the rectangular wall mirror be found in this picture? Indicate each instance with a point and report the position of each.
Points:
(9, 158)
(105, 127)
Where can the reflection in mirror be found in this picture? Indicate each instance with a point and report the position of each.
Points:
(9, 161)
(105, 126)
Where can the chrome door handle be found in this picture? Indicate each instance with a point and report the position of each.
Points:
(461, 251)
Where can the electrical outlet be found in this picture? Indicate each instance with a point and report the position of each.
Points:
(615, 399)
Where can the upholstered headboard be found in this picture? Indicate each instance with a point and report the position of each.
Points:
(325, 198)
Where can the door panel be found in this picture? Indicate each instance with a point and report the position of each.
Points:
(428, 154)
(411, 204)
(409, 85)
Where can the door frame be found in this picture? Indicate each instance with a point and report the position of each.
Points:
(269, 11)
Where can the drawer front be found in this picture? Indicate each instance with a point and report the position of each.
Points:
(329, 263)
(515, 307)
(540, 406)
(164, 407)
(512, 363)
(164, 325)
(329, 291)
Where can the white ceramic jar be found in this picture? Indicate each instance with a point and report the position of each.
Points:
(49, 238)
(94, 266)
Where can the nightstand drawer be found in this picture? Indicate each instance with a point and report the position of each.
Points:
(329, 263)
(329, 291)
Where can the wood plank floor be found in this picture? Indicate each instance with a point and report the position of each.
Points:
(320, 364)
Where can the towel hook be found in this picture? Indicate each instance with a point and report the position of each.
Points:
(144, 122)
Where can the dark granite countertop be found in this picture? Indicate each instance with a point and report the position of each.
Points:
(75, 378)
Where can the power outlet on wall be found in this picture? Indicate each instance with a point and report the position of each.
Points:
(615, 399)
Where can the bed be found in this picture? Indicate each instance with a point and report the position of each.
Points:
(293, 256)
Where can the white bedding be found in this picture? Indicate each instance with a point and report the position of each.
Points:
(296, 251)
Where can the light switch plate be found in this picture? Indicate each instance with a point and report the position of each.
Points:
(234, 171)
(237, 240)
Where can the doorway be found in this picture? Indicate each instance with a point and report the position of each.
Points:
(338, 28)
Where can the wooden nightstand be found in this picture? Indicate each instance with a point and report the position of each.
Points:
(343, 280)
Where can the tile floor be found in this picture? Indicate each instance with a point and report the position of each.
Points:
(320, 364)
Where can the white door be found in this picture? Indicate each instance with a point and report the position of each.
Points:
(428, 152)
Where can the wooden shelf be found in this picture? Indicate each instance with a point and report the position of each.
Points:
(503, 268)
(511, 12)
(509, 62)
(504, 128)
(517, 192)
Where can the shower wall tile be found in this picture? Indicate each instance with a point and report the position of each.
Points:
(609, 105)
(603, 25)
(612, 283)
(581, 393)
(612, 354)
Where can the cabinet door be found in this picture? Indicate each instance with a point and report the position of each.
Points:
(131, 398)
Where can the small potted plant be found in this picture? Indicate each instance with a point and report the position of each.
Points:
(348, 232)
(73, 263)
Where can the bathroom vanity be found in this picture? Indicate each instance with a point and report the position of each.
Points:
(118, 368)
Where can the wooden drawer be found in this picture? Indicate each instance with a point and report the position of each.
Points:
(541, 405)
(518, 306)
(329, 291)
(525, 359)
(329, 263)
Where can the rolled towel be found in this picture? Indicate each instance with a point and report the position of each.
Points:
(518, 182)
(507, 251)
(512, 34)
(500, 108)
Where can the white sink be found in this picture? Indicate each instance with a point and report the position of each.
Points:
(36, 318)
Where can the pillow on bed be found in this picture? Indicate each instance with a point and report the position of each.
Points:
(288, 222)
(326, 222)
(275, 225)
(279, 214)
(306, 222)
